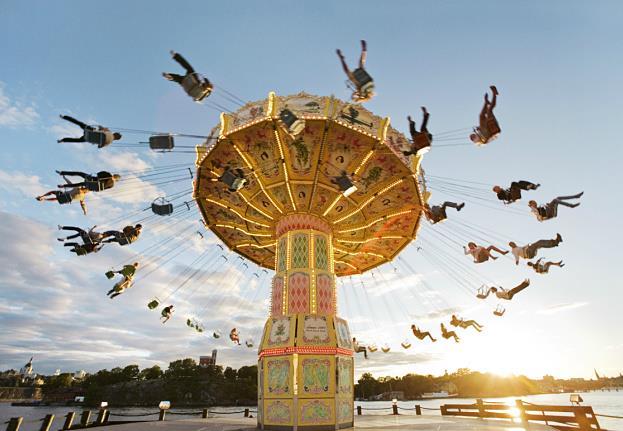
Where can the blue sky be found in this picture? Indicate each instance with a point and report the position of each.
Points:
(558, 69)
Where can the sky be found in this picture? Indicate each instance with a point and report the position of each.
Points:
(557, 66)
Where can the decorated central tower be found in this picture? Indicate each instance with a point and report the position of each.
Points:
(312, 188)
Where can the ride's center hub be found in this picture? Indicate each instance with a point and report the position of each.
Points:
(312, 188)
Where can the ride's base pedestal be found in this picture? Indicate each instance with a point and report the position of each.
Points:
(305, 373)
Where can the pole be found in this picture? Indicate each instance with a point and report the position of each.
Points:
(204, 414)
(162, 414)
(85, 418)
(47, 423)
(69, 420)
(522, 413)
(100, 417)
(358, 410)
(246, 413)
(481, 408)
(14, 424)
(418, 410)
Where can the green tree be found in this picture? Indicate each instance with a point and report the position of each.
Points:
(182, 368)
(150, 373)
(130, 372)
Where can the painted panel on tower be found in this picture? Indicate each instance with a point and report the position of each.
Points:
(278, 412)
(316, 412)
(344, 339)
(300, 250)
(316, 376)
(298, 293)
(278, 377)
(315, 330)
(325, 296)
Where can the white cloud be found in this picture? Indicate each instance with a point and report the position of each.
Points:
(29, 185)
(557, 308)
(15, 114)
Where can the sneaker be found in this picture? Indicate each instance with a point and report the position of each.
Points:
(460, 206)
(172, 53)
(167, 76)
(494, 89)
(60, 227)
(558, 238)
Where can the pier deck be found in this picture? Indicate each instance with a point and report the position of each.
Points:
(371, 423)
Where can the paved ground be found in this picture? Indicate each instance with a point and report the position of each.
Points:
(369, 423)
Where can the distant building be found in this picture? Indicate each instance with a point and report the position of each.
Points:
(80, 374)
(207, 361)
(26, 370)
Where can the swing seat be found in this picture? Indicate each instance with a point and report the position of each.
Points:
(189, 323)
(196, 86)
(110, 274)
(232, 181)
(162, 207)
(363, 79)
(63, 198)
(161, 142)
(405, 345)
(499, 311)
(249, 344)
(154, 303)
(294, 124)
(372, 348)
(482, 293)
(422, 143)
(216, 334)
(98, 137)
(385, 349)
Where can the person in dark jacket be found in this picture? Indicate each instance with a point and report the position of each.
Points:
(420, 141)
(103, 180)
(97, 135)
(513, 193)
(550, 209)
(360, 79)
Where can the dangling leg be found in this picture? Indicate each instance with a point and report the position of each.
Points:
(427, 334)
(79, 123)
(423, 128)
(182, 62)
(492, 247)
(344, 65)
(53, 192)
(494, 99)
(578, 196)
(173, 77)
(364, 54)
(80, 139)
(518, 288)
(458, 207)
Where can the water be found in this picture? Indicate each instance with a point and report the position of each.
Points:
(610, 403)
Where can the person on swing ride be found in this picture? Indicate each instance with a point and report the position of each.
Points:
(502, 293)
(195, 85)
(449, 334)
(166, 314)
(550, 209)
(66, 197)
(103, 180)
(421, 335)
(97, 135)
(359, 348)
(513, 193)
(363, 82)
(85, 248)
(127, 272)
(422, 140)
(488, 128)
(462, 323)
(437, 213)
(530, 251)
(234, 336)
(480, 253)
(128, 235)
(543, 268)
(90, 236)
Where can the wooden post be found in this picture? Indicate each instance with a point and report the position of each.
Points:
(47, 423)
(205, 414)
(69, 420)
(246, 413)
(522, 413)
(106, 416)
(418, 410)
(162, 414)
(358, 410)
(582, 420)
(85, 418)
(394, 409)
(481, 408)
(443, 409)
(100, 416)
(14, 424)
